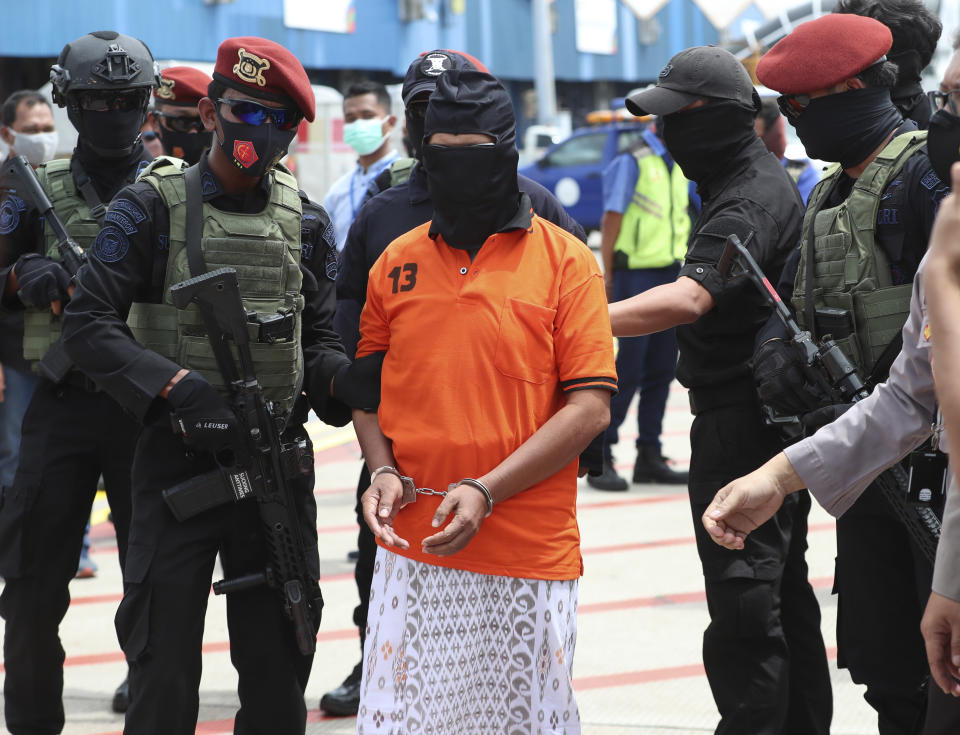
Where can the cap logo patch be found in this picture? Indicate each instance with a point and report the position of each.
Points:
(665, 71)
(434, 65)
(244, 153)
(250, 68)
(165, 90)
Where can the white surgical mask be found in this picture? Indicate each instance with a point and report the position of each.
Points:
(364, 136)
(37, 147)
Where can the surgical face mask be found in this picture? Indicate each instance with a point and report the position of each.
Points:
(37, 147)
(364, 136)
(943, 143)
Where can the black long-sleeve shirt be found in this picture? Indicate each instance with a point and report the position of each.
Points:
(128, 264)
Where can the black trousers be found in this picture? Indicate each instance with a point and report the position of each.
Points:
(763, 651)
(167, 585)
(883, 582)
(70, 437)
(366, 557)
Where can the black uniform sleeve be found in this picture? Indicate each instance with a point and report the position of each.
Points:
(549, 207)
(119, 271)
(21, 232)
(323, 352)
(352, 283)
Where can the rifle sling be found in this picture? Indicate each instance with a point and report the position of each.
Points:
(198, 266)
(87, 190)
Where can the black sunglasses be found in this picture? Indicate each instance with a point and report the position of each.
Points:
(939, 100)
(111, 101)
(149, 136)
(181, 124)
(253, 113)
(793, 105)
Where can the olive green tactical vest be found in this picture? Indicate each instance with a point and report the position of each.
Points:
(40, 327)
(264, 249)
(853, 293)
(656, 226)
(400, 170)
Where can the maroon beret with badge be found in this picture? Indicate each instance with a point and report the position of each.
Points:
(262, 68)
(823, 52)
(183, 86)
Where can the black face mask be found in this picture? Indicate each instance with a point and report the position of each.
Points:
(474, 190)
(943, 143)
(847, 127)
(415, 134)
(254, 149)
(188, 146)
(113, 133)
(704, 139)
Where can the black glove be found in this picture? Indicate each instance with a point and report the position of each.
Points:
(782, 380)
(204, 418)
(591, 458)
(358, 384)
(820, 417)
(41, 280)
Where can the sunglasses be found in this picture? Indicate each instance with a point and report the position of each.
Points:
(149, 136)
(940, 100)
(111, 101)
(253, 113)
(181, 124)
(793, 105)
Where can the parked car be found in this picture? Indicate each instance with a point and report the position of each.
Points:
(573, 168)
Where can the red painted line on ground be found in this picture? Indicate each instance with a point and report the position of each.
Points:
(633, 501)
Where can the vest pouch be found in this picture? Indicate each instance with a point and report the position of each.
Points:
(41, 329)
(831, 304)
(250, 257)
(154, 326)
(880, 317)
(833, 270)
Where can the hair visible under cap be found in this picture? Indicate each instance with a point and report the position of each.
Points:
(368, 86)
(913, 26)
(883, 74)
(28, 97)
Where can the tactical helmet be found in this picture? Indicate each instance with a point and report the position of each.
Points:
(103, 60)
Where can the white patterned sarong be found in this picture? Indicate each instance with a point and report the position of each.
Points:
(452, 652)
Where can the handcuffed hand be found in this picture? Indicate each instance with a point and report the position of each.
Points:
(469, 507)
(380, 504)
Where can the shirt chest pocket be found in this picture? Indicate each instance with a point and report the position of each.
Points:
(525, 341)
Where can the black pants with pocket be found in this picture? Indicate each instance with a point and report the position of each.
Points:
(763, 651)
(71, 436)
(167, 585)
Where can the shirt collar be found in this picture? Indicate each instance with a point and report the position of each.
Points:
(377, 166)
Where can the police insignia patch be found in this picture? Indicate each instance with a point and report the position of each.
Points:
(930, 181)
(121, 220)
(130, 209)
(165, 90)
(208, 184)
(332, 266)
(250, 68)
(433, 65)
(244, 153)
(665, 71)
(111, 245)
(10, 214)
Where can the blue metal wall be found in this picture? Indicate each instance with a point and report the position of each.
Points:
(496, 31)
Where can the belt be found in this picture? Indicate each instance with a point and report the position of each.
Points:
(80, 380)
(719, 396)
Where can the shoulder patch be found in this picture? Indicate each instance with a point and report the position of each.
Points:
(930, 180)
(140, 169)
(332, 264)
(10, 211)
(121, 220)
(330, 235)
(131, 209)
(112, 244)
(208, 184)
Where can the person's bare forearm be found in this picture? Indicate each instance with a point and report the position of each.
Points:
(609, 231)
(553, 446)
(941, 280)
(681, 302)
(377, 449)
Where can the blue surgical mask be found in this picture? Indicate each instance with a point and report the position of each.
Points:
(364, 136)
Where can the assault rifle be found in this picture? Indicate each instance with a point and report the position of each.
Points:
(829, 367)
(55, 364)
(265, 466)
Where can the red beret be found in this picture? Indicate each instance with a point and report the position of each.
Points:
(823, 52)
(182, 86)
(265, 69)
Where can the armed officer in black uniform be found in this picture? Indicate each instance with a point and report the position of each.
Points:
(763, 651)
(253, 219)
(842, 111)
(388, 215)
(72, 433)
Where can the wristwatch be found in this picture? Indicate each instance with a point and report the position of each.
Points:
(409, 486)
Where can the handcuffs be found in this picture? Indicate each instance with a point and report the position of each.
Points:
(410, 489)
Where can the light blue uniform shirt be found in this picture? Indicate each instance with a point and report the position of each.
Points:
(346, 195)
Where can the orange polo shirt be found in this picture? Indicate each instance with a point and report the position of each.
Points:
(478, 357)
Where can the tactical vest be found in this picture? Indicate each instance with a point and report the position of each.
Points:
(656, 226)
(264, 249)
(41, 328)
(400, 170)
(855, 299)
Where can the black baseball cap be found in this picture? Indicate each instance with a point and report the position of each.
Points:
(422, 74)
(699, 71)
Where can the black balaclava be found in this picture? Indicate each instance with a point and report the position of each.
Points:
(943, 143)
(473, 188)
(703, 140)
(908, 95)
(188, 146)
(848, 126)
(113, 133)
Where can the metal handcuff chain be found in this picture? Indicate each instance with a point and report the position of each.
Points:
(410, 489)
